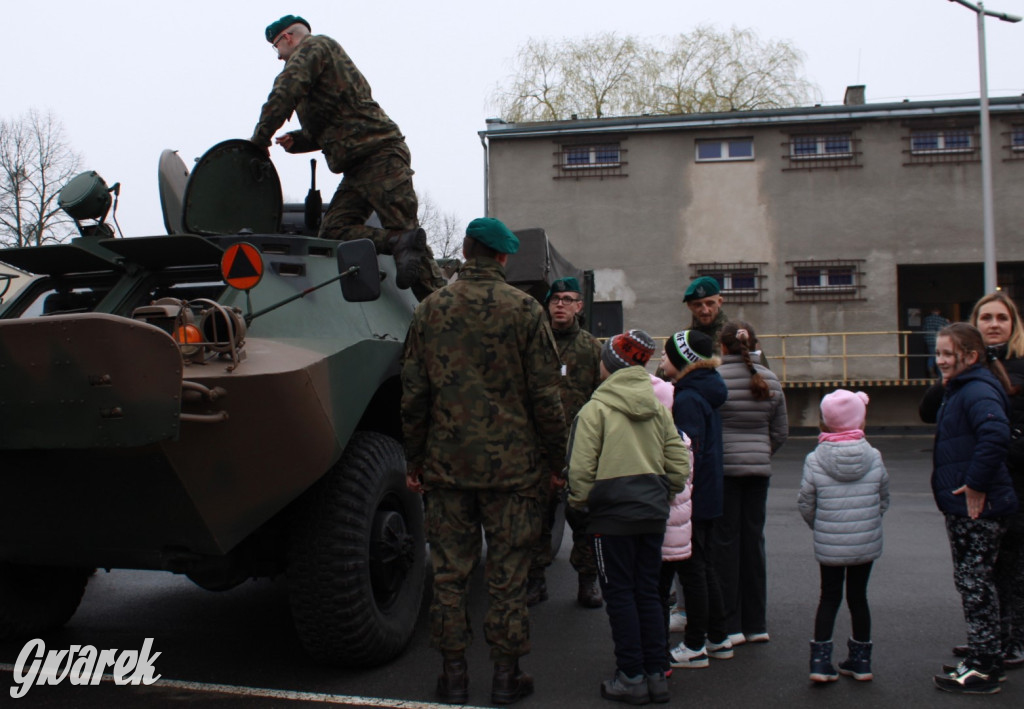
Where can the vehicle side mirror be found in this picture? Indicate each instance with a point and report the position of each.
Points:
(364, 284)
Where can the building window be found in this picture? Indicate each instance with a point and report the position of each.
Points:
(741, 282)
(808, 151)
(812, 147)
(725, 150)
(589, 160)
(933, 145)
(931, 141)
(825, 280)
(1016, 146)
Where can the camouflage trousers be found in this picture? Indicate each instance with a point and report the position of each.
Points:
(510, 524)
(381, 183)
(1010, 581)
(975, 547)
(582, 555)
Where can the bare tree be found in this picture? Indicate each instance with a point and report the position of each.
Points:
(35, 162)
(703, 71)
(538, 90)
(444, 229)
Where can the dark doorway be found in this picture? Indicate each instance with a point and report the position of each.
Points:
(952, 289)
(607, 318)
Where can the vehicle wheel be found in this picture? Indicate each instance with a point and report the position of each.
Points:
(357, 557)
(37, 599)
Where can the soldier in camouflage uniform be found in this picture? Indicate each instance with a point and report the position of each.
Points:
(580, 359)
(338, 115)
(704, 299)
(483, 426)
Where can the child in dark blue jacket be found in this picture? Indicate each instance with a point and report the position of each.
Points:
(973, 489)
(699, 391)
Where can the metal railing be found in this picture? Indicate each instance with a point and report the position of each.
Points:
(879, 356)
(874, 357)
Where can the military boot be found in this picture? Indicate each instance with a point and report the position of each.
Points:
(589, 594)
(409, 249)
(453, 682)
(510, 684)
(536, 590)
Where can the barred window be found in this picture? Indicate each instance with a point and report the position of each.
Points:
(945, 143)
(808, 151)
(826, 280)
(930, 141)
(818, 146)
(741, 282)
(589, 160)
(1015, 147)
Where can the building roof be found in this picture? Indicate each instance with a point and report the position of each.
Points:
(499, 129)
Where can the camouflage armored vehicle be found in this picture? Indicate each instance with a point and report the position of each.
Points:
(221, 401)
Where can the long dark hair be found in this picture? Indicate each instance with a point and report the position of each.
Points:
(967, 338)
(738, 337)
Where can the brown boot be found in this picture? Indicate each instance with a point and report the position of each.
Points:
(510, 684)
(453, 682)
(409, 249)
(589, 594)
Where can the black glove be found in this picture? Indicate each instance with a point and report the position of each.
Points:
(577, 518)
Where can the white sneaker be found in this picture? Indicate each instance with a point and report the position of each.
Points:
(737, 639)
(686, 658)
(677, 621)
(757, 638)
(720, 651)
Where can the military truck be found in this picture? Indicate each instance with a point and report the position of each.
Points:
(221, 401)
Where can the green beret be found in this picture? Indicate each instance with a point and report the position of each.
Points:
(702, 288)
(276, 28)
(493, 234)
(563, 285)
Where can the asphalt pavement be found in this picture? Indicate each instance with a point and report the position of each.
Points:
(238, 649)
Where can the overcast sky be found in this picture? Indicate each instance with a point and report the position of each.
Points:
(128, 79)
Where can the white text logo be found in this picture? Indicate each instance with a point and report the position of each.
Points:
(81, 664)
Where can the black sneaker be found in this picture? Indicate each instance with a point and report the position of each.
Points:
(657, 687)
(967, 680)
(953, 669)
(1013, 657)
(631, 690)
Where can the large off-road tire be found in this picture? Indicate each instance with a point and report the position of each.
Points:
(357, 557)
(37, 599)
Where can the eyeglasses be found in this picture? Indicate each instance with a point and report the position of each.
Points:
(279, 40)
(564, 299)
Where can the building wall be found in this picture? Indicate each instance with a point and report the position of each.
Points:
(641, 233)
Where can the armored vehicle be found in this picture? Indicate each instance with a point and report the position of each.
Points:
(221, 401)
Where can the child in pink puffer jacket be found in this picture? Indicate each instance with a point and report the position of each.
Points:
(676, 547)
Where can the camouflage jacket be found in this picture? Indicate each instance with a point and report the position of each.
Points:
(320, 83)
(580, 357)
(480, 402)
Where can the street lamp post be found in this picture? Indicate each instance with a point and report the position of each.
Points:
(987, 210)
